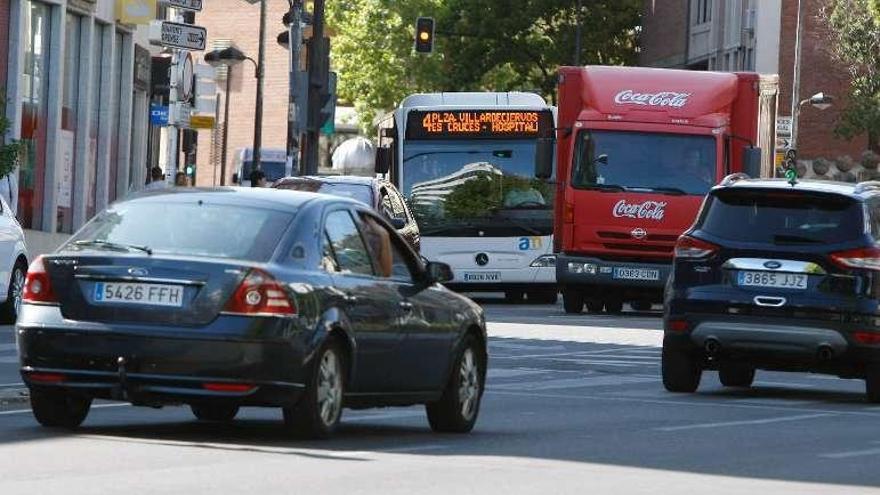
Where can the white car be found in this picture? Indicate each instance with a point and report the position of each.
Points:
(13, 264)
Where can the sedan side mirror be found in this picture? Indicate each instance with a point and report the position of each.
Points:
(397, 223)
(544, 158)
(383, 160)
(439, 272)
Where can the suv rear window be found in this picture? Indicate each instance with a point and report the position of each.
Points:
(782, 217)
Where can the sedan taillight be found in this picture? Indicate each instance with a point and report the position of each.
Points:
(865, 258)
(689, 247)
(37, 286)
(260, 294)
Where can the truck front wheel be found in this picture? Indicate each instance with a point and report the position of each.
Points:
(572, 301)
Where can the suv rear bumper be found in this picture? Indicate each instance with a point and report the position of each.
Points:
(783, 339)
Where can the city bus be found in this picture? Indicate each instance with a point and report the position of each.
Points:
(273, 163)
(465, 163)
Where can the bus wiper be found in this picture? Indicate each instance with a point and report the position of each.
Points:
(113, 245)
(794, 239)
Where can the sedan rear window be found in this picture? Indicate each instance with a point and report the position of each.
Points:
(782, 217)
(358, 192)
(190, 229)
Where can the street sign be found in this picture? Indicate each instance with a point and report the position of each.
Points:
(158, 115)
(783, 126)
(185, 83)
(201, 122)
(175, 35)
(189, 5)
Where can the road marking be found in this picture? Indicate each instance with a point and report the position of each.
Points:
(494, 373)
(97, 406)
(387, 415)
(582, 334)
(12, 384)
(783, 384)
(590, 381)
(8, 347)
(783, 419)
(9, 360)
(851, 453)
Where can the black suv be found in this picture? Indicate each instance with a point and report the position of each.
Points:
(777, 276)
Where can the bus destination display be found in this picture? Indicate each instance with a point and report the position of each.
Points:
(478, 124)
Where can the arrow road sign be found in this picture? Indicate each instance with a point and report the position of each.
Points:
(183, 36)
(190, 5)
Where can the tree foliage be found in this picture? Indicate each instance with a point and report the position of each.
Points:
(10, 151)
(855, 28)
(480, 45)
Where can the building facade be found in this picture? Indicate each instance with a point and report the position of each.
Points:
(758, 35)
(76, 86)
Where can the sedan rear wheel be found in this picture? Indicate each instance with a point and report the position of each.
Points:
(319, 410)
(59, 409)
(9, 309)
(457, 409)
(214, 412)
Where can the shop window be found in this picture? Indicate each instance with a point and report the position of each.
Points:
(69, 112)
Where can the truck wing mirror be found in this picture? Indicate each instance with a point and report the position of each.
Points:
(751, 161)
(544, 158)
(383, 160)
(602, 159)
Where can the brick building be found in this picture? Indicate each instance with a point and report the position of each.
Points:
(759, 35)
(237, 22)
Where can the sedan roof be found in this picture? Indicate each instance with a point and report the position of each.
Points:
(338, 179)
(277, 199)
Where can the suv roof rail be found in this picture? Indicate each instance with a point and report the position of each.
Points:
(733, 178)
(868, 185)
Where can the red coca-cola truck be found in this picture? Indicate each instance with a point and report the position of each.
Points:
(636, 151)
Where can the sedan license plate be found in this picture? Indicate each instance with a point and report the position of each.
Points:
(773, 280)
(636, 273)
(482, 276)
(133, 293)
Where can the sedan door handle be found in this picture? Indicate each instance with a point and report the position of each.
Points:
(405, 305)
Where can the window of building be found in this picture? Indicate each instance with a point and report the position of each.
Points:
(115, 133)
(703, 10)
(69, 111)
(91, 176)
(34, 128)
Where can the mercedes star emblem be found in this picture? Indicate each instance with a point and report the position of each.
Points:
(482, 259)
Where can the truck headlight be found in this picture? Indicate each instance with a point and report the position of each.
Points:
(544, 261)
(585, 268)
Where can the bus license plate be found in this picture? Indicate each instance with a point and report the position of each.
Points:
(636, 273)
(482, 276)
(773, 280)
(145, 294)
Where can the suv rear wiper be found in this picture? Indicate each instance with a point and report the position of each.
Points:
(794, 239)
(114, 245)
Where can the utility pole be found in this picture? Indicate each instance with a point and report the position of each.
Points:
(796, 78)
(225, 126)
(295, 92)
(173, 153)
(258, 111)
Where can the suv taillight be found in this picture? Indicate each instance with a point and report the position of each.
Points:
(689, 247)
(864, 258)
(260, 294)
(37, 286)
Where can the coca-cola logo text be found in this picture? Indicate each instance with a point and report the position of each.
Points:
(651, 210)
(661, 99)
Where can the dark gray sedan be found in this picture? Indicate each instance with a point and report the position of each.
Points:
(248, 297)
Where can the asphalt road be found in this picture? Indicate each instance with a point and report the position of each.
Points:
(573, 405)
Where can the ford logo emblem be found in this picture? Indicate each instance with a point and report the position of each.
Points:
(138, 272)
(772, 265)
(482, 259)
(639, 233)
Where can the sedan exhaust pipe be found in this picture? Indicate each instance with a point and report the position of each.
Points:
(825, 353)
(712, 346)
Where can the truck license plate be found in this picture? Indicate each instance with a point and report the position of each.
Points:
(482, 276)
(773, 279)
(636, 273)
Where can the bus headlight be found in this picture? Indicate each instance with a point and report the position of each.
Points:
(585, 268)
(545, 261)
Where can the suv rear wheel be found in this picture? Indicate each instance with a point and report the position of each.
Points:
(736, 375)
(872, 384)
(681, 369)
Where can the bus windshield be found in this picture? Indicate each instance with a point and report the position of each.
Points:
(643, 161)
(273, 170)
(463, 188)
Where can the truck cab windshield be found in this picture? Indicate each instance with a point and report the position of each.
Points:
(644, 162)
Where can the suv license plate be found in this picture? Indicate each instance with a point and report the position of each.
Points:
(482, 276)
(636, 273)
(773, 279)
(146, 294)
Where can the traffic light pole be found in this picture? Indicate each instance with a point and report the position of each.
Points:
(258, 111)
(295, 44)
(318, 75)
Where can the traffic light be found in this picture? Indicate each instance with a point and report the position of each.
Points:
(425, 35)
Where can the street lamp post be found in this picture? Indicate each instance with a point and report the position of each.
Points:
(820, 101)
(258, 111)
(228, 57)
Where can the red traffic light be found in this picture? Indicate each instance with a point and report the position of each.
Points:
(424, 35)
